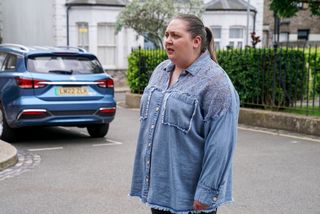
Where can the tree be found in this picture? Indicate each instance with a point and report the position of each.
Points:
(289, 8)
(150, 18)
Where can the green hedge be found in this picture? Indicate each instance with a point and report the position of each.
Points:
(265, 77)
(141, 65)
(313, 59)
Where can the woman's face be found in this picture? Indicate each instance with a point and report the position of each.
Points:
(181, 48)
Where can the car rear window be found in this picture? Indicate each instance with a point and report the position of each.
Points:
(64, 65)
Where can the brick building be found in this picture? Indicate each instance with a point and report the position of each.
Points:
(300, 29)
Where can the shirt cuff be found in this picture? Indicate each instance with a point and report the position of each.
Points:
(207, 196)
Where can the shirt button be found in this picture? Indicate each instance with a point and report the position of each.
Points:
(152, 126)
(149, 144)
(157, 109)
(148, 162)
(215, 198)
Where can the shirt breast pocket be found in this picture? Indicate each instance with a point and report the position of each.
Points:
(179, 111)
(145, 103)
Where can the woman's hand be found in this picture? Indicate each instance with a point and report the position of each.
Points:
(197, 205)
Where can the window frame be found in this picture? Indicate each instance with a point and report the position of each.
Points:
(217, 40)
(307, 34)
(107, 46)
(79, 40)
(3, 61)
(236, 42)
(5, 65)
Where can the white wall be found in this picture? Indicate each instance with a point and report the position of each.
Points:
(312, 37)
(258, 4)
(125, 40)
(59, 23)
(28, 22)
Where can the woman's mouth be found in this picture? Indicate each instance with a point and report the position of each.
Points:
(170, 50)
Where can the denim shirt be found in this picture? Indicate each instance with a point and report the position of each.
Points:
(187, 137)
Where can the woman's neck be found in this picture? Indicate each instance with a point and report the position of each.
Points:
(183, 65)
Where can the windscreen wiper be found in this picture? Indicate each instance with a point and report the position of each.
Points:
(61, 71)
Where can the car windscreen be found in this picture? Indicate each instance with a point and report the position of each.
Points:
(64, 64)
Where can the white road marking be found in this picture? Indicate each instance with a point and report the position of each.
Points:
(294, 142)
(111, 143)
(280, 134)
(45, 149)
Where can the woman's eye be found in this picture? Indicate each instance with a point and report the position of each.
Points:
(175, 36)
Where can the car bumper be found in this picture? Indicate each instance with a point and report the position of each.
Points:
(78, 113)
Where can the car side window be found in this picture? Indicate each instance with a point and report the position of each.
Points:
(10, 63)
(2, 58)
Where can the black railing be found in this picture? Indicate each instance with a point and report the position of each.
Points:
(282, 79)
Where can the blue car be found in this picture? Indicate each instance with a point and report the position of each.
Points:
(53, 86)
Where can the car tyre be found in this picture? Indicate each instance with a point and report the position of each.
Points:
(98, 130)
(7, 133)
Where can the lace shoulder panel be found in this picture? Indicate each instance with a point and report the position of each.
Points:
(217, 94)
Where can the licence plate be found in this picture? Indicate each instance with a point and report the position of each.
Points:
(71, 91)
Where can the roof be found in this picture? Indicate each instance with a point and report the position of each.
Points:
(20, 49)
(240, 5)
(98, 2)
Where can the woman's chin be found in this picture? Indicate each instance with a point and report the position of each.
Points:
(170, 56)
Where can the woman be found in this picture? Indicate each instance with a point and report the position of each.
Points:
(189, 113)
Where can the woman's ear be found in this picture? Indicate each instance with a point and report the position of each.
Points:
(197, 42)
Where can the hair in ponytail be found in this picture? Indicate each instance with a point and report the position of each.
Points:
(197, 28)
(210, 44)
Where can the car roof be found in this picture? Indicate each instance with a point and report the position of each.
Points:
(35, 50)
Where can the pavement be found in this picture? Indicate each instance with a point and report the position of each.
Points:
(8, 155)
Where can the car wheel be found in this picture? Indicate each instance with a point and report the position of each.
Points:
(98, 130)
(7, 133)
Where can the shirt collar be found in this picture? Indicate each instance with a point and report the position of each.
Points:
(194, 67)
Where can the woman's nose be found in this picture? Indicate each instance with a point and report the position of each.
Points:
(168, 40)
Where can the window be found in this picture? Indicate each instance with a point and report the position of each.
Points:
(303, 34)
(216, 30)
(216, 45)
(106, 44)
(10, 63)
(64, 65)
(236, 33)
(2, 58)
(83, 35)
(236, 37)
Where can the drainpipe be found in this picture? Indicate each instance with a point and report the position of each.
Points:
(248, 17)
(68, 9)
(254, 20)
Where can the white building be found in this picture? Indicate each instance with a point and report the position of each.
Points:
(228, 20)
(91, 24)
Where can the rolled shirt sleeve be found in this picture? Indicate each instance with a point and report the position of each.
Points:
(221, 137)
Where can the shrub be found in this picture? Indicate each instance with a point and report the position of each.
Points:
(266, 77)
(141, 65)
(313, 59)
(263, 77)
